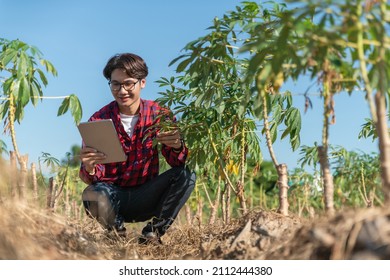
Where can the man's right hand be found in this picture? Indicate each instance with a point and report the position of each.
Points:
(90, 157)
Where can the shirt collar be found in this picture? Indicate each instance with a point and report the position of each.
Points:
(141, 107)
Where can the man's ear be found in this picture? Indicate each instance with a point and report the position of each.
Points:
(143, 83)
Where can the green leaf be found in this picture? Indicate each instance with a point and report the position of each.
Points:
(22, 65)
(183, 65)
(75, 108)
(34, 94)
(295, 140)
(24, 92)
(177, 59)
(64, 107)
(73, 103)
(273, 132)
(7, 56)
(7, 86)
(49, 160)
(42, 76)
(35, 52)
(4, 109)
(285, 133)
(14, 88)
(277, 113)
(289, 99)
(3, 147)
(19, 113)
(220, 108)
(49, 67)
(293, 119)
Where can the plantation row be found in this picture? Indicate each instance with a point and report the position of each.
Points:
(357, 177)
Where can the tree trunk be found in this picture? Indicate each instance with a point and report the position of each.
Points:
(241, 183)
(283, 189)
(280, 168)
(223, 205)
(49, 193)
(384, 144)
(75, 210)
(199, 212)
(222, 168)
(67, 203)
(13, 174)
(328, 179)
(187, 210)
(22, 179)
(241, 197)
(323, 149)
(215, 206)
(380, 100)
(227, 195)
(34, 181)
(55, 195)
(251, 193)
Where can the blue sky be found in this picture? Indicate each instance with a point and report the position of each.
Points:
(78, 37)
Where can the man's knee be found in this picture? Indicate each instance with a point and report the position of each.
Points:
(189, 179)
(189, 176)
(98, 205)
(192, 179)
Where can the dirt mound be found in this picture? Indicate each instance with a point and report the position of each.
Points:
(250, 237)
(350, 234)
(31, 233)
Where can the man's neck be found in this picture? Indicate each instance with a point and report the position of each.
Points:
(132, 109)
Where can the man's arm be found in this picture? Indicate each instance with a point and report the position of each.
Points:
(173, 149)
(90, 168)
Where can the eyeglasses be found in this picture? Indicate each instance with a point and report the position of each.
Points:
(127, 85)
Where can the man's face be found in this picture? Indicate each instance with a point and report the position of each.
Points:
(126, 91)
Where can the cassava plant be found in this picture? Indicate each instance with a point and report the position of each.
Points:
(207, 94)
(270, 64)
(22, 70)
(320, 41)
(220, 107)
(372, 37)
(355, 36)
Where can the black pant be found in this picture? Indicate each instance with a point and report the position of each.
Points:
(159, 199)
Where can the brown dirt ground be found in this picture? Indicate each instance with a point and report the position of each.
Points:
(30, 233)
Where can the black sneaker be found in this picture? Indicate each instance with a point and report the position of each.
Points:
(149, 238)
(121, 232)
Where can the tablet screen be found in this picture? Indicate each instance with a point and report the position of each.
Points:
(102, 136)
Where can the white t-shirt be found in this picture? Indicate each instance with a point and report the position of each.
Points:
(129, 122)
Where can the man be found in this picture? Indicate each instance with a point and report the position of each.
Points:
(133, 190)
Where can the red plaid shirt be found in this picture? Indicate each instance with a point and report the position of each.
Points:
(142, 158)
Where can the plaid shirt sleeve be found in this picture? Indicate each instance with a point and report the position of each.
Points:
(175, 158)
(89, 179)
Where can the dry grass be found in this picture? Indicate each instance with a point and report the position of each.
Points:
(28, 232)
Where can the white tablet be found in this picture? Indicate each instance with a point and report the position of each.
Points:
(102, 136)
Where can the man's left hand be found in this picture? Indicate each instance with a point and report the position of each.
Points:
(170, 138)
